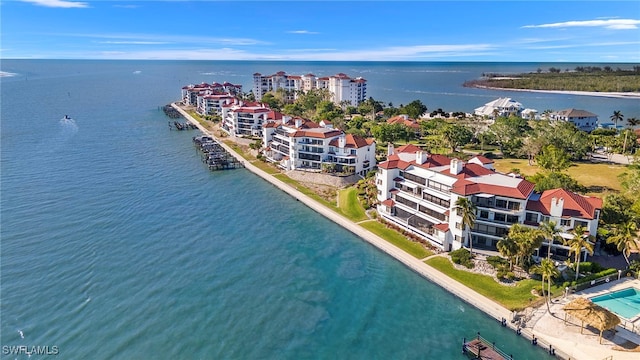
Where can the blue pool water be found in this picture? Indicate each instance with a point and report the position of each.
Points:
(625, 303)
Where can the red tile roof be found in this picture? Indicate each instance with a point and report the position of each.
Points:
(389, 203)
(353, 141)
(442, 227)
(575, 205)
(483, 159)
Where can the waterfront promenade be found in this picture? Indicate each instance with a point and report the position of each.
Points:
(563, 349)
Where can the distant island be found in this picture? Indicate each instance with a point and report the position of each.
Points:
(591, 79)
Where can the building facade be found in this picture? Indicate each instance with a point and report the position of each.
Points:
(300, 144)
(582, 119)
(341, 87)
(418, 192)
(501, 107)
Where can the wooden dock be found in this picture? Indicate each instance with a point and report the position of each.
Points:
(214, 154)
(481, 348)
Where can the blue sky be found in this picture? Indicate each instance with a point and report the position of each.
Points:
(567, 31)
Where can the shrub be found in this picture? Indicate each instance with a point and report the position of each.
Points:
(596, 275)
(496, 261)
(462, 257)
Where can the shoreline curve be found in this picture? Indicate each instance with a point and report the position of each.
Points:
(563, 349)
(617, 95)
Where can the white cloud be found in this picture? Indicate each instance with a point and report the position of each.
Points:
(302, 32)
(58, 3)
(134, 42)
(611, 24)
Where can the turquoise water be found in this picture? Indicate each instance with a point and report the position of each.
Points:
(625, 303)
(117, 242)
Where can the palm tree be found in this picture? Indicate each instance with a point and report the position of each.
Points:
(508, 247)
(577, 243)
(467, 210)
(625, 237)
(548, 271)
(617, 116)
(551, 233)
(633, 122)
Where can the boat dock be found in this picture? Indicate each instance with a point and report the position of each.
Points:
(214, 154)
(481, 348)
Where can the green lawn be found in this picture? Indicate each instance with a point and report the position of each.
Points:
(415, 249)
(350, 206)
(512, 297)
(593, 176)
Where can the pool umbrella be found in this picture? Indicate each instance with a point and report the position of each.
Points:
(592, 314)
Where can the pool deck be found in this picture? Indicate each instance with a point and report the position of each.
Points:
(551, 327)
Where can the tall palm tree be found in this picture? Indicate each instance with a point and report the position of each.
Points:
(508, 247)
(467, 210)
(577, 243)
(617, 116)
(625, 237)
(632, 121)
(551, 233)
(548, 271)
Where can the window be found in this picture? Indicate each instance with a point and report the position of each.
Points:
(499, 217)
(484, 214)
(513, 205)
(501, 203)
(581, 223)
(458, 225)
(565, 222)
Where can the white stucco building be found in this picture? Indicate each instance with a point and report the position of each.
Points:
(502, 107)
(418, 191)
(341, 86)
(299, 144)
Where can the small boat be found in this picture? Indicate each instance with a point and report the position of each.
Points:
(66, 117)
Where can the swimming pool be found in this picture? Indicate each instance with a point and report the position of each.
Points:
(625, 302)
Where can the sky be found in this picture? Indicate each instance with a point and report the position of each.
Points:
(539, 31)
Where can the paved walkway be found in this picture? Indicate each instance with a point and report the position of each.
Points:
(484, 304)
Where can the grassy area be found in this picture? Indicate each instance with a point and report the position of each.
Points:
(415, 249)
(600, 177)
(310, 193)
(512, 297)
(350, 206)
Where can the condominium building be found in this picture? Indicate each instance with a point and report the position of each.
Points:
(300, 144)
(418, 192)
(342, 87)
(246, 119)
(191, 92)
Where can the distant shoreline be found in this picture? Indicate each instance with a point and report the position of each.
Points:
(617, 95)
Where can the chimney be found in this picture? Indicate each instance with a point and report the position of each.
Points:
(342, 141)
(557, 205)
(390, 149)
(298, 122)
(421, 157)
(455, 166)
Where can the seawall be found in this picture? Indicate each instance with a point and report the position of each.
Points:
(488, 306)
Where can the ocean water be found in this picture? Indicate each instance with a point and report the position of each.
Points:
(117, 242)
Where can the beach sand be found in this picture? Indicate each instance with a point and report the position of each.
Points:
(619, 95)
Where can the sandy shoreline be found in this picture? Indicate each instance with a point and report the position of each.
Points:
(488, 306)
(618, 95)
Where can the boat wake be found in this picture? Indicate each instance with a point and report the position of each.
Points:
(68, 124)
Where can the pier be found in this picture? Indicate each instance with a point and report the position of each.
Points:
(481, 348)
(215, 155)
